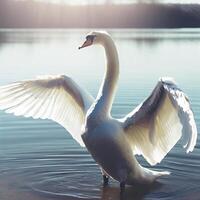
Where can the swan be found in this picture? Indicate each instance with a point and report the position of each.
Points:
(150, 130)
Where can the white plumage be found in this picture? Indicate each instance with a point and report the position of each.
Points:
(156, 125)
(151, 129)
(57, 98)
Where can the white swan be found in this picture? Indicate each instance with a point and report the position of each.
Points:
(151, 129)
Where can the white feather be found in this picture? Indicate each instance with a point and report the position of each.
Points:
(57, 98)
(156, 125)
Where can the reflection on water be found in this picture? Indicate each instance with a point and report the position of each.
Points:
(132, 192)
(39, 160)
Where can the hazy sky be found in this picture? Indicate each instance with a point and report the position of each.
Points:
(117, 1)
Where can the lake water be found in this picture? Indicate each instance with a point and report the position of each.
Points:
(39, 160)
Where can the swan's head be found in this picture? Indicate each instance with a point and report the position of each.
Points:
(95, 37)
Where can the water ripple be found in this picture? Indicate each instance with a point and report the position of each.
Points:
(40, 161)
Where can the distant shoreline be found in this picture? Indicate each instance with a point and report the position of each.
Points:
(45, 15)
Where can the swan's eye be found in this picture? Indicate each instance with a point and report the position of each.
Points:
(90, 37)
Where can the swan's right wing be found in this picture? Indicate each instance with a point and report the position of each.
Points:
(57, 98)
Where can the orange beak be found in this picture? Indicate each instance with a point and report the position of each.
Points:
(86, 44)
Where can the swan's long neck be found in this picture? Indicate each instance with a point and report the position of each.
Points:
(106, 93)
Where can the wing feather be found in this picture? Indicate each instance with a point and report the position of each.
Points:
(57, 98)
(156, 125)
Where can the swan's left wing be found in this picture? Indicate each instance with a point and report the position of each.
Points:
(57, 98)
(156, 125)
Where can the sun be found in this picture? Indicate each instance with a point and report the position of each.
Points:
(74, 2)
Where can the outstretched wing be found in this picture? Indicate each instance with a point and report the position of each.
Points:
(156, 125)
(57, 98)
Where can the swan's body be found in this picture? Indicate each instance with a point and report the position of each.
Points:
(152, 129)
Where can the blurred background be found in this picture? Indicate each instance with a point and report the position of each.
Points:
(99, 13)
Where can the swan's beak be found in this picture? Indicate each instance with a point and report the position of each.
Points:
(87, 43)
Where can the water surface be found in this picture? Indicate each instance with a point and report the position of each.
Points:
(39, 160)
